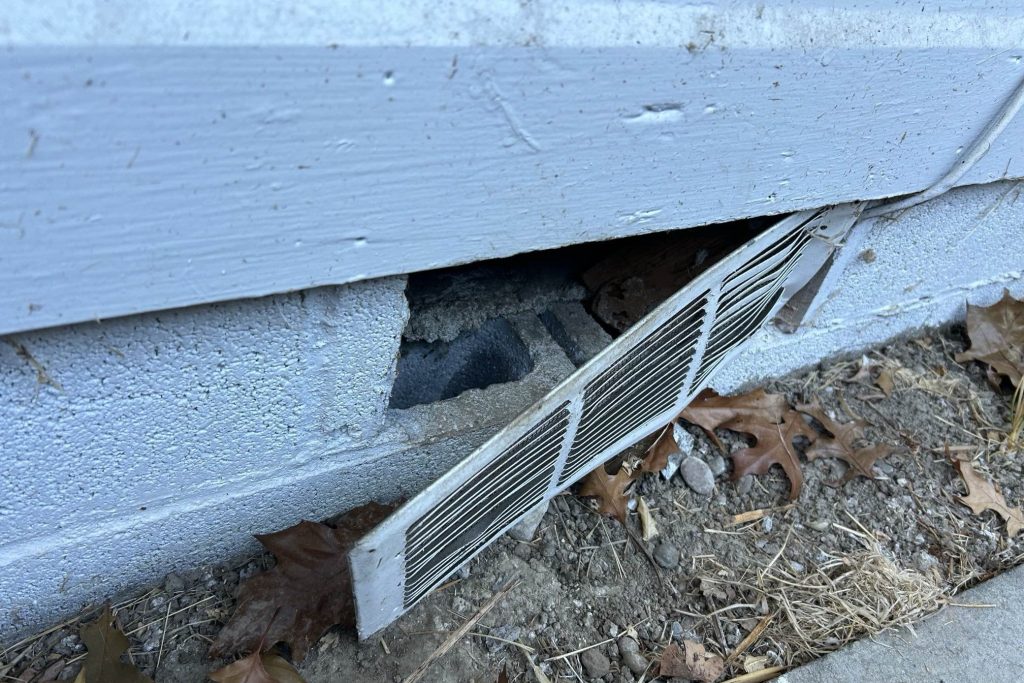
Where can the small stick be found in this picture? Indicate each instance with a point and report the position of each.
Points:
(163, 636)
(582, 649)
(758, 676)
(457, 635)
(750, 638)
(754, 515)
(524, 648)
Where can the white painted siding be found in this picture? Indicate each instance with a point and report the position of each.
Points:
(151, 158)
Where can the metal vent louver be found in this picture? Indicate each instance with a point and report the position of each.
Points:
(631, 389)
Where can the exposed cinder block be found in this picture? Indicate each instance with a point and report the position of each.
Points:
(576, 331)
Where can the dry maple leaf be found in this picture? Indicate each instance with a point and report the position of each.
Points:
(860, 461)
(308, 591)
(768, 419)
(983, 495)
(106, 644)
(691, 662)
(258, 668)
(656, 457)
(997, 336)
(610, 491)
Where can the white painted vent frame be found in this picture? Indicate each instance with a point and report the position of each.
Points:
(733, 297)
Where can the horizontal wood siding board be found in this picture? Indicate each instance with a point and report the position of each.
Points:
(142, 178)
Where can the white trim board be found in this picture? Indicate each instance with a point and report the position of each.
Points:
(143, 178)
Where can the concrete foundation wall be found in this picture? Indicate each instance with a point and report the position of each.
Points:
(158, 442)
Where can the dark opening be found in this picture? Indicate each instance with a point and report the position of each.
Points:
(433, 371)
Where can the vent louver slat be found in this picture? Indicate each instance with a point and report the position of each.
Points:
(439, 542)
(643, 383)
(630, 390)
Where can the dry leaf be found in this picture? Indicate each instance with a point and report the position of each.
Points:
(691, 661)
(503, 674)
(860, 461)
(306, 593)
(766, 417)
(656, 458)
(997, 337)
(648, 529)
(983, 495)
(885, 382)
(755, 663)
(106, 644)
(257, 668)
(610, 491)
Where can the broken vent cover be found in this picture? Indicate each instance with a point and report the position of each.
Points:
(630, 390)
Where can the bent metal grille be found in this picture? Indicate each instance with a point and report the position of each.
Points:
(629, 391)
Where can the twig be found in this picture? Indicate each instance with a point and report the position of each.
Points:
(758, 676)
(582, 649)
(457, 635)
(750, 638)
(163, 637)
(524, 648)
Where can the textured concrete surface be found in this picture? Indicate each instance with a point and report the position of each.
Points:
(173, 436)
(133, 458)
(956, 645)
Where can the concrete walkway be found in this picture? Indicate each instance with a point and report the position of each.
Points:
(957, 645)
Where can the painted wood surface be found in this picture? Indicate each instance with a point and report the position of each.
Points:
(144, 177)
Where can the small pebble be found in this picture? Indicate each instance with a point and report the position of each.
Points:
(629, 651)
(666, 555)
(818, 524)
(526, 528)
(677, 631)
(174, 583)
(698, 476)
(767, 524)
(596, 664)
(744, 485)
(717, 465)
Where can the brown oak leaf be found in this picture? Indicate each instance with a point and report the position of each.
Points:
(984, 495)
(691, 662)
(308, 591)
(656, 457)
(842, 445)
(997, 337)
(610, 491)
(768, 419)
(106, 644)
(258, 668)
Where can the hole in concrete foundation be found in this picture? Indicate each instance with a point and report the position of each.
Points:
(433, 371)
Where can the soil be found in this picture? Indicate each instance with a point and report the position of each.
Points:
(584, 581)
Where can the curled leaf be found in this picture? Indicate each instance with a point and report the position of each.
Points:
(997, 337)
(609, 490)
(106, 644)
(983, 495)
(765, 417)
(258, 668)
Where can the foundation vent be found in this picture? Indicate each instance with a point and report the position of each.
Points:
(627, 392)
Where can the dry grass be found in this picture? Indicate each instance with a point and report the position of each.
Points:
(839, 601)
(1013, 439)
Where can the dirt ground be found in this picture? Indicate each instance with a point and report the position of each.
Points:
(896, 547)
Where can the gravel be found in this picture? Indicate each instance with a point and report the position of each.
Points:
(666, 555)
(698, 475)
(595, 663)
